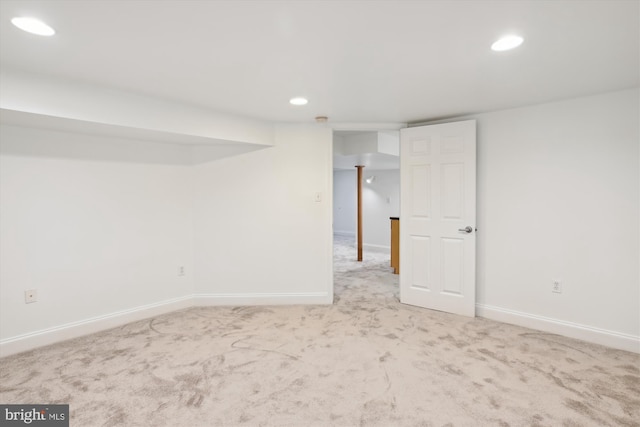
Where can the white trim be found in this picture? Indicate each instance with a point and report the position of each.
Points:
(321, 298)
(329, 224)
(377, 248)
(71, 330)
(604, 337)
(370, 246)
(56, 334)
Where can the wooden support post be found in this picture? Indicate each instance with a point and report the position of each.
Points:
(359, 212)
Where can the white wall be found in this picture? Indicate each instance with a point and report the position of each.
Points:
(344, 202)
(380, 200)
(99, 227)
(558, 197)
(260, 235)
(110, 216)
(94, 237)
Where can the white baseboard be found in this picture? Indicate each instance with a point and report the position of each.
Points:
(365, 245)
(320, 298)
(67, 331)
(604, 337)
(43, 337)
(377, 248)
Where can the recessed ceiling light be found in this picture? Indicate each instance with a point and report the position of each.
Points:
(298, 101)
(507, 43)
(33, 26)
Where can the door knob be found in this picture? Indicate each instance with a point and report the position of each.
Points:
(467, 229)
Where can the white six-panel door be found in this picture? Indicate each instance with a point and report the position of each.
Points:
(438, 216)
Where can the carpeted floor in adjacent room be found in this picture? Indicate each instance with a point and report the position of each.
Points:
(367, 360)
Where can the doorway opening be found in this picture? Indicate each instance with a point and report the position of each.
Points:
(378, 152)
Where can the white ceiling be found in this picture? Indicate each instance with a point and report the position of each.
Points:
(371, 159)
(356, 61)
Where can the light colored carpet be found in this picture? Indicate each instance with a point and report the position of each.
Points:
(366, 360)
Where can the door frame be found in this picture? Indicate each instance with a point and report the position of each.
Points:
(362, 127)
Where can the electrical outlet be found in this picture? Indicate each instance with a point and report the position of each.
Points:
(181, 270)
(30, 296)
(556, 286)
